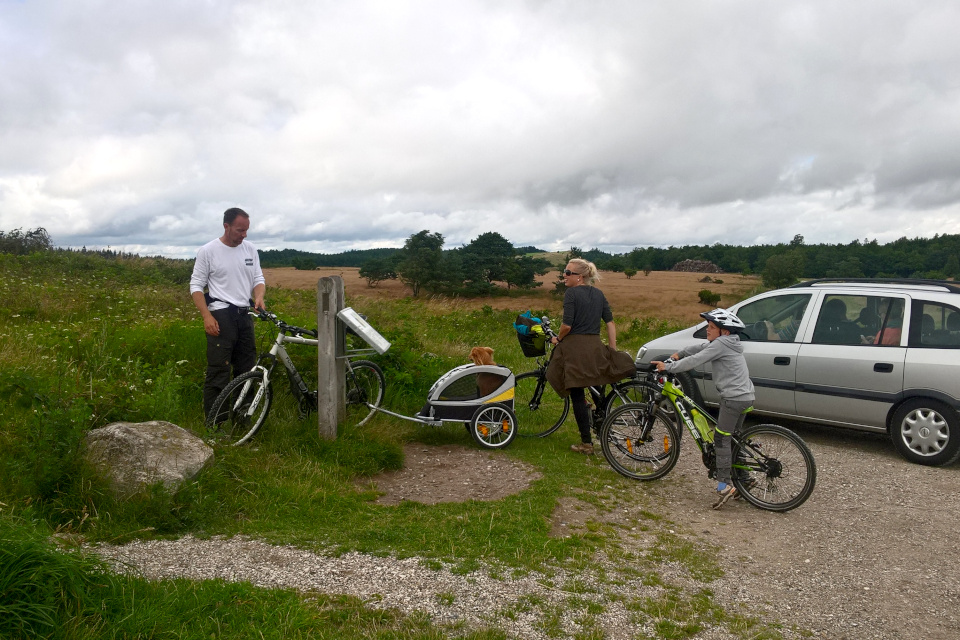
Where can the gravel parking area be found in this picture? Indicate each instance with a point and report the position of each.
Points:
(870, 555)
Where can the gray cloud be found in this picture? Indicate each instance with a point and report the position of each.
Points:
(356, 124)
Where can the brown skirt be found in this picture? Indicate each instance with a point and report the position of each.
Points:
(585, 361)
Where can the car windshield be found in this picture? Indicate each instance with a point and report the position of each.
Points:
(776, 318)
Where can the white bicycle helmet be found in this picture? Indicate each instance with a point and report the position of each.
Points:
(724, 319)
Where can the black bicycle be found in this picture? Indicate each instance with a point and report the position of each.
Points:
(540, 411)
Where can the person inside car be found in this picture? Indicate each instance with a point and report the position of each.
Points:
(891, 313)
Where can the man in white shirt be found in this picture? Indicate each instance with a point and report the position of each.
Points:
(230, 270)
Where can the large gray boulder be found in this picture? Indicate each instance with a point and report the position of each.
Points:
(135, 455)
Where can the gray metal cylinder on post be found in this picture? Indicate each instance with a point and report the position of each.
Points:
(331, 400)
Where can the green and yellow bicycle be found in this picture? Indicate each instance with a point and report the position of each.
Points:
(773, 468)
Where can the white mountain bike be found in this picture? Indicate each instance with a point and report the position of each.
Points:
(242, 407)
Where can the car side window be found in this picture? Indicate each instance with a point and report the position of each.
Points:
(934, 324)
(776, 318)
(858, 319)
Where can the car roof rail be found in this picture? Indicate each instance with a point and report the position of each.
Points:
(952, 287)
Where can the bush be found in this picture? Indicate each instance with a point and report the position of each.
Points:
(782, 270)
(709, 297)
(19, 243)
(377, 270)
(304, 264)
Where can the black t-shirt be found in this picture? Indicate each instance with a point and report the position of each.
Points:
(583, 309)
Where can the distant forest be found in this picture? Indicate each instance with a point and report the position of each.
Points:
(936, 257)
(354, 258)
(305, 260)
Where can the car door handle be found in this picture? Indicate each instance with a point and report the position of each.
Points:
(781, 360)
(883, 367)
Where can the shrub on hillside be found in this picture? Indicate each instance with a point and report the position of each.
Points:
(19, 243)
(709, 297)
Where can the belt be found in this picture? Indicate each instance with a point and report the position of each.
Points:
(235, 308)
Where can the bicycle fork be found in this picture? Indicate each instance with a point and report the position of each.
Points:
(534, 403)
(255, 402)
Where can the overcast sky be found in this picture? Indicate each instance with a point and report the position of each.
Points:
(610, 124)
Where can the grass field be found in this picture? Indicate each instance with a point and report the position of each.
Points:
(87, 341)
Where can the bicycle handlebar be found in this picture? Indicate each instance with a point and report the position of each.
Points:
(650, 371)
(547, 331)
(283, 326)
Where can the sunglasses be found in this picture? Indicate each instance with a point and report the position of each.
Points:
(567, 272)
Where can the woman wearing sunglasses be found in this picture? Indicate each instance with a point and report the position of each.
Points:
(580, 359)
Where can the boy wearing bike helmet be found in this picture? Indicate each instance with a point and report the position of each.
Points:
(730, 375)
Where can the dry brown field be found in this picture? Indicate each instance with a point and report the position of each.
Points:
(668, 295)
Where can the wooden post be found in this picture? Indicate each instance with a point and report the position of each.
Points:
(330, 370)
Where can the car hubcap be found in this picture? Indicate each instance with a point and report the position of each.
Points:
(925, 432)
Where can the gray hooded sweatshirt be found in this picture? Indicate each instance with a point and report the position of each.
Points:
(730, 373)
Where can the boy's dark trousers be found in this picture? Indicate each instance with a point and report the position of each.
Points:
(728, 422)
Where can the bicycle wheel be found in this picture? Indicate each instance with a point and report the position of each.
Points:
(493, 426)
(774, 468)
(240, 409)
(631, 391)
(538, 408)
(365, 386)
(640, 441)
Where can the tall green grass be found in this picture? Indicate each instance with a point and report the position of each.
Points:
(84, 343)
(40, 587)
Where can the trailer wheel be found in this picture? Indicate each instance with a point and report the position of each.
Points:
(494, 426)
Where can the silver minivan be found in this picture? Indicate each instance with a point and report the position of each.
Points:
(877, 355)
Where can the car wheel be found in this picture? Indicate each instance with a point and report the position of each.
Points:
(926, 432)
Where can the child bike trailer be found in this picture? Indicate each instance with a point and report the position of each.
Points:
(480, 396)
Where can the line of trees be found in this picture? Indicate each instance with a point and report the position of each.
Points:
(306, 260)
(490, 261)
(479, 268)
(937, 257)
(475, 267)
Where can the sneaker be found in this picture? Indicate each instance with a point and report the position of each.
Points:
(724, 495)
(585, 448)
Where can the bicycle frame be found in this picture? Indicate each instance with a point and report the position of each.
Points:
(541, 371)
(601, 399)
(698, 422)
(278, 352)
(701, 425)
